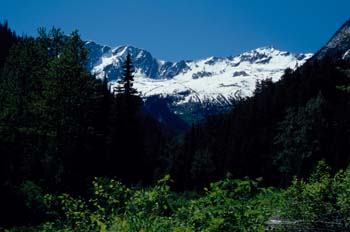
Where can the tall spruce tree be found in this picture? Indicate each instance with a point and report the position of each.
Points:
(125, 133)
(126, 81)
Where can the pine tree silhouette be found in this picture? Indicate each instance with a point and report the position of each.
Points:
(125, 84)
(126, 161)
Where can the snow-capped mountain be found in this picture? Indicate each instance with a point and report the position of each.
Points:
(209, 79)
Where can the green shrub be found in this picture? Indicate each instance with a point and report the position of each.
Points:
(320, 203)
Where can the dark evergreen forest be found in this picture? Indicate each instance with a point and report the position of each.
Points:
(60, 127)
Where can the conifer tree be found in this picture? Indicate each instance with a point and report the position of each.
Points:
(126, 81)
(7, 39)
(125, 131)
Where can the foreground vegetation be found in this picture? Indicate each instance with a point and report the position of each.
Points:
(320, 203)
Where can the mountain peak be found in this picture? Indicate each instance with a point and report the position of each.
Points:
(264, 55)
(266, 48)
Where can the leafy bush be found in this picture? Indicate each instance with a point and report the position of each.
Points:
(228, 205)
(320, 203)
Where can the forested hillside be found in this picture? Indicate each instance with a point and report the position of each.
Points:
(60, 127)
(280, 132)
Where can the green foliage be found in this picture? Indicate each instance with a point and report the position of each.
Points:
(72, 211)
(228, 205)
(320, 203)
(33, 195)
(343, 88)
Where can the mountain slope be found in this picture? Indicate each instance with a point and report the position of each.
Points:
(338, 47)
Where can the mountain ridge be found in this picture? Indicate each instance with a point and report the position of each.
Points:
(193, 80)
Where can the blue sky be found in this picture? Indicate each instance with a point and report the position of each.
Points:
(186, 29)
